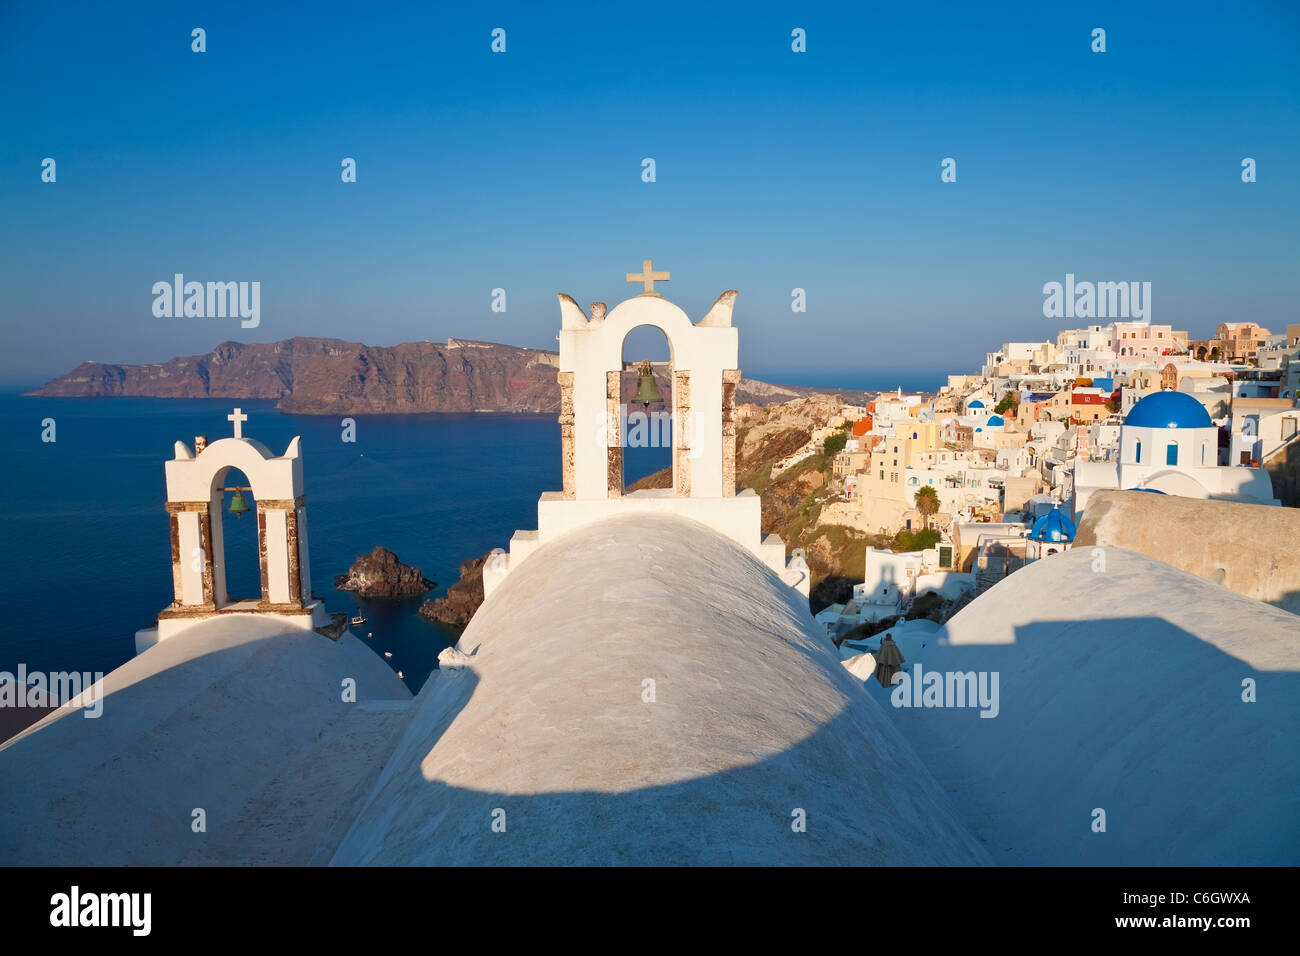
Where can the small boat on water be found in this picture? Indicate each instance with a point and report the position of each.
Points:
(401, 676)
(370, 633)
(388, 653)
(359, 620)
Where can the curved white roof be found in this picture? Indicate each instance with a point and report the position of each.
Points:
(235, 716)
(1121, 689)
(549, 730)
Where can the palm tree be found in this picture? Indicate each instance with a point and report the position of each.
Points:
(927, 502)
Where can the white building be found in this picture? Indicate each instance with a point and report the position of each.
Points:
(988, 433)
(888, 578)
(1260, 427)
(1012, 460)
(976, 411)
(1086, 351)
(1028, 352)
(1168, 444)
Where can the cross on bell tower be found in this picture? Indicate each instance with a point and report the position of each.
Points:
(648, 276)
(238, 418)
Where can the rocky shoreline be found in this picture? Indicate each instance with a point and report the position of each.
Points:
(462, 599)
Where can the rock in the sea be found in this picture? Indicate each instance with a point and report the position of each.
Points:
(380, 575)
(462, 599)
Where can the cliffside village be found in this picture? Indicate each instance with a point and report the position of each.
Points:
(1013, 454)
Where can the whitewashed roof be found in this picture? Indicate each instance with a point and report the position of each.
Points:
(753, 722)
(234, 717)
(1121, 689)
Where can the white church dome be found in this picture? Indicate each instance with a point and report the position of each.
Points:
(1168, 409)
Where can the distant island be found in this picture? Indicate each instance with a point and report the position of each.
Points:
(314, 376)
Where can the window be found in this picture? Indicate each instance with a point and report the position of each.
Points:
(1137, 452)
(1171, 454)
(945, 557)
(1289, 428)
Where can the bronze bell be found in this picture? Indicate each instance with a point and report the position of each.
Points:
(647, 392)
(239, 504)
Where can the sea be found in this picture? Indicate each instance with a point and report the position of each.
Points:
(87, 556)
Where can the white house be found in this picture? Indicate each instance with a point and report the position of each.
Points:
(1012, 460)
(1260, 427)
(888, 578)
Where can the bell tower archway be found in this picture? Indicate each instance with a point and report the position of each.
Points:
(648, 437)
(703, 358)
(197, 489)
(704, 376)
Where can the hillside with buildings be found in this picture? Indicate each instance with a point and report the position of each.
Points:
(998, 470)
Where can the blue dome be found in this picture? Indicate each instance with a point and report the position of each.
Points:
(996, 420)
(1169, 410)
(1053, 526)
(976, 404)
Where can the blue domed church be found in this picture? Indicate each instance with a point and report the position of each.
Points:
(1051, 534)
(1168, 444)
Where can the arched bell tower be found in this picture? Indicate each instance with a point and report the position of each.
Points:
(196, 492)
(704, 378)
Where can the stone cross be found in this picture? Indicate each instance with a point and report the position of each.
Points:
(238, 417)
(648, 276)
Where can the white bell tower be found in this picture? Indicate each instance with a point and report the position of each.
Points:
(196, 491)
(704, 376)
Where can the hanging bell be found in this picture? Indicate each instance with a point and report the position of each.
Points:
(647, 392)
(239, 504)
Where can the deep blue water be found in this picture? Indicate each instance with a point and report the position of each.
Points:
(87, 559)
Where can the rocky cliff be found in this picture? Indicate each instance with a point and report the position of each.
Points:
(462, 599)
(310, 376)
(380, 575)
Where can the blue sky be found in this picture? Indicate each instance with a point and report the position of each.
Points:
(522, 170)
